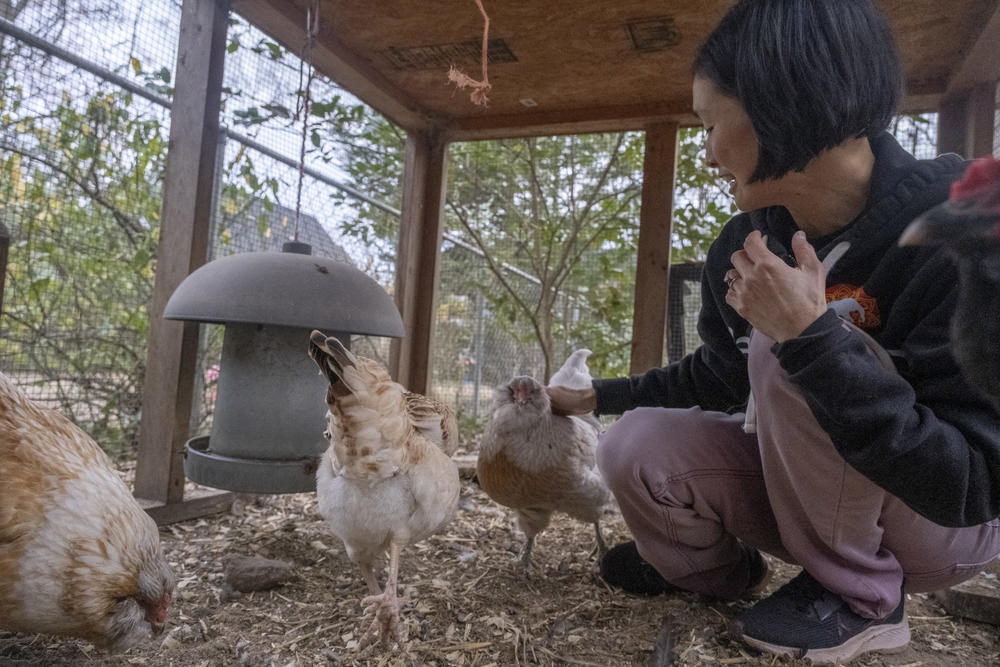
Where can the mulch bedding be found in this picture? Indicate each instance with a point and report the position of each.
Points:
(466, 603)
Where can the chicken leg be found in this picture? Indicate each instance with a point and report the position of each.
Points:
(385, 607)
(525, 562)
(601, 547)
(531, 521)
(369, 574)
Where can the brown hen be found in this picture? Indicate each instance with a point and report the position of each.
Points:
(538, 463)
(78, 556)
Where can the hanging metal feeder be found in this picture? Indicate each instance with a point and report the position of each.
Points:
(269, 410)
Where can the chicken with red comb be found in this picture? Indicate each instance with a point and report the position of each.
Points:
(968, 225)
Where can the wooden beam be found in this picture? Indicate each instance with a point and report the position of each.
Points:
(980, 63)
(652, 272)
(285, 21)
(981, 112)
(966, 121)
(184, 231)
(195, 505)
(420, 231)
(951, 125)
(574, 121)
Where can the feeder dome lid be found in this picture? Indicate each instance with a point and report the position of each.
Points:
(289, 288)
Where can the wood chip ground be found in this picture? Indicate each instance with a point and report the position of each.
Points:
(466, 603)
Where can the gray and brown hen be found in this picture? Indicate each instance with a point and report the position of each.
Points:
(538, 463)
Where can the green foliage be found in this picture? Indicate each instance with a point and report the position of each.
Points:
(700, 207)
(563, 210)
(83, 182)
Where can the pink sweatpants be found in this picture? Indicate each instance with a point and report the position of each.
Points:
(694, 489)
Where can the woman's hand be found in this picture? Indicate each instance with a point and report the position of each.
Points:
(776, 299)
(566, 401)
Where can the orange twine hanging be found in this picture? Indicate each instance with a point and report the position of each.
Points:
(463, 80)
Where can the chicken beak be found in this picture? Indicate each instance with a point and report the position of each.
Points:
(520, 393)
(156, 613)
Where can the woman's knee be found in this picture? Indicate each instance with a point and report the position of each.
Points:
(637, 439)
(663, 442)
(617, 450)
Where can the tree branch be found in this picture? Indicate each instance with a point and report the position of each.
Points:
(128, 225)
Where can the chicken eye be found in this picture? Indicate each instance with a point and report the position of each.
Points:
(326, 433)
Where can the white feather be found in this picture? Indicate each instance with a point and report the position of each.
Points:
(574, 373)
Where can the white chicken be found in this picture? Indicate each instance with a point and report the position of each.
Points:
(538, 463)
(382, 484)
(78, 556)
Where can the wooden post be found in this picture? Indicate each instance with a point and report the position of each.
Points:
(420, 231)
(184, 227)
(981, 111)
(652, 271)
(951, 125)
(965, 121)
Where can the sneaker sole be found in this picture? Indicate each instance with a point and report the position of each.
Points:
(880, 638)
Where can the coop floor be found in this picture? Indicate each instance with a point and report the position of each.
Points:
(466, 603)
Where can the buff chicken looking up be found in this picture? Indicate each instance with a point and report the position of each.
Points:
(78, 556)
(538, 463)
(384, 482)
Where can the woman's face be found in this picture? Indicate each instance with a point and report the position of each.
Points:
(731, 145)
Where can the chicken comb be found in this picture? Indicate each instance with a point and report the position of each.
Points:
(981, 181)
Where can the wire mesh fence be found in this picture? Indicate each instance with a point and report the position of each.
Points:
(80, 190)
(83, 141)
(84, 126)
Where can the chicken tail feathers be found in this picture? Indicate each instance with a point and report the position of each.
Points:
(369, 424)
(333, 360)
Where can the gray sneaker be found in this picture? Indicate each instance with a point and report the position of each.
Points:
(804, 620)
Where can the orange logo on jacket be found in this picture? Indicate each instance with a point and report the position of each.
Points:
(852, 302)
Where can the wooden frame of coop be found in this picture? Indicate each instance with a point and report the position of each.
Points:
(577, 67)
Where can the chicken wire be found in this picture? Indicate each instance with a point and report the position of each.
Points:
(917, 134)
(82, 204)
(74, 323)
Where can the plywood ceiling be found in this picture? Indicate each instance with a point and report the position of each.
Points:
(579, 65)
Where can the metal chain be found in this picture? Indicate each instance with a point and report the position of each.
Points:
(312, 30)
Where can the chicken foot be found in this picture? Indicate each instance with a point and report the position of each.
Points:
(384, 606)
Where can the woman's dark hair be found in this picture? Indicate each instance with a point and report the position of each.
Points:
(810, 74)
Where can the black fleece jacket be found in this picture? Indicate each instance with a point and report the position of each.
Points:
(922, 432)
